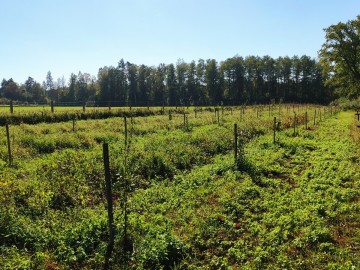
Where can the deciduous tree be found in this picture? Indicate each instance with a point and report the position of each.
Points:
(340, 57)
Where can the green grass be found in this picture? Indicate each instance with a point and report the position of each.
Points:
(303, 215)
(292, 205)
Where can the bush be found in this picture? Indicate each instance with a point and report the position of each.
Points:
(161, 251)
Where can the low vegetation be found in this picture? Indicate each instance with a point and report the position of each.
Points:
(181, 201)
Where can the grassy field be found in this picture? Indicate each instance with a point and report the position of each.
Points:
(18, 109)
(187, 203)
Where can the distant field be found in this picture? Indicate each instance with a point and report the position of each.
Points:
(61, 109)
(40, 108)
(47, 108)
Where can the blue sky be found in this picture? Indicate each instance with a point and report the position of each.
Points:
(68, 36)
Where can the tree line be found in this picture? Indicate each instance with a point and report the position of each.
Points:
(235, 81)
(340, 58)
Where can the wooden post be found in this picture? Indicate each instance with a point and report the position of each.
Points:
(195, 113)
(274, 130)
(52, 106)
(218, 117)
(11, 107)
(235, 143)
(8, 144)
(125, 131)
(315, 117)
(170, 116)
(84, 105)
(306, 120)
(279, 110)
(294, 124)
(109, 200)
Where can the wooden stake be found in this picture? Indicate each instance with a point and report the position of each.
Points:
(11, 107)
(235, 143)
(125, 131)
(274, 130)
(108, 186)
(8, 144)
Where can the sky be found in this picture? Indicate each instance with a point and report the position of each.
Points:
(68, 36)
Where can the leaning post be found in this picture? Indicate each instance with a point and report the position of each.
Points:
(8, 144)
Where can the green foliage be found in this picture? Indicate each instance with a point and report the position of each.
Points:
(48, 117)
(160, 251)
(234, 81)
(339, 57)
(289, 205)
(16, 232)
(82, 243)
(347, 104)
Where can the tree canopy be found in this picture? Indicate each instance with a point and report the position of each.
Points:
(340, 57)
(235, 81)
